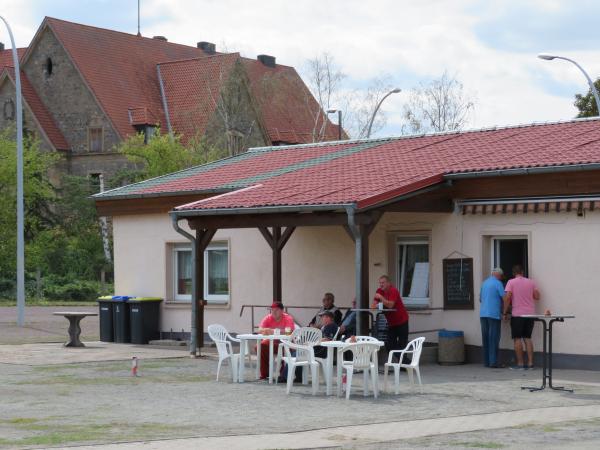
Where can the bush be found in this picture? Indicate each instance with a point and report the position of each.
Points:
(59, 288)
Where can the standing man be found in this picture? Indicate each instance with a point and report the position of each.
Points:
(522, 293)
(490, 297)
(397, 320)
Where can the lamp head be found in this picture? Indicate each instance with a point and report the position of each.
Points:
(546, 56)
(331, 111)
(396, 90)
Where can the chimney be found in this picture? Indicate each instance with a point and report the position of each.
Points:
(160, 38)
(208, 47)
(267, 60)
(1, 46)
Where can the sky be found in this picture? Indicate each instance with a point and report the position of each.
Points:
(489, 45)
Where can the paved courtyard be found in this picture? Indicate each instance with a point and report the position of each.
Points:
(56, 397)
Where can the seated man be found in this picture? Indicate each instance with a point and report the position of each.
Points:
(328, 330)
(348, 326)
(276, 320)
(328, 305)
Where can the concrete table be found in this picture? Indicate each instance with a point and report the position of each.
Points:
(74, 329)
(548, 321)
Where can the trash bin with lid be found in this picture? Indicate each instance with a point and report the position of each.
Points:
(121, 319)
(144, 317)
(451, 347)
(105, 313)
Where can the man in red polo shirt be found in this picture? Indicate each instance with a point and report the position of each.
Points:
(397, 320)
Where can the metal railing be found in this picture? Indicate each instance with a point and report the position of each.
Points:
(286, 308)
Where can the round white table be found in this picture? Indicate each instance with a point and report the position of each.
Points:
(244, 347)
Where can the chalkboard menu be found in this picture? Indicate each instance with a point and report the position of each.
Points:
(458, 283)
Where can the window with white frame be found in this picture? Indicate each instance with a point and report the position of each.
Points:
(412, 265)
(216, 273)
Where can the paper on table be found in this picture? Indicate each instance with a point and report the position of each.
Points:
(420, 280)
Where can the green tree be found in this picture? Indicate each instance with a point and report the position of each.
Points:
(586, 104)
(162, 154)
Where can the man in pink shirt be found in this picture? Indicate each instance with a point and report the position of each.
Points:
(276, 320)
(522, 293)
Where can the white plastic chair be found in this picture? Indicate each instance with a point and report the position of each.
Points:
(300, 336)
(362, 359)
(362, 339)
(222, 339)
(305, 358)
(413, 348)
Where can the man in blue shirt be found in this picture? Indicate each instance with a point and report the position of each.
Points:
(490, 313)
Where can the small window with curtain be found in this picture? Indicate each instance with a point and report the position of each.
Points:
(95, 140)
(216, 273)
(412, 259)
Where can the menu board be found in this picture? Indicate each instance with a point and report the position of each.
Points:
(458, 283)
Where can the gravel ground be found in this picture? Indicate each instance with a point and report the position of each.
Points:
(100, 402)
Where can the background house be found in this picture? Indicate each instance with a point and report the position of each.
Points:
(86, 89)
(435, 212)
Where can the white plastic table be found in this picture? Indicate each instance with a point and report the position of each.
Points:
(244, 345)
(339, 345)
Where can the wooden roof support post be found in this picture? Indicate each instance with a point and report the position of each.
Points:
(203, 238)
(360, 235)
(277, 240)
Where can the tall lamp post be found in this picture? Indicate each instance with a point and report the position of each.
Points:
(20, 212)
(393, 91)
(548, 57)
(339, 112)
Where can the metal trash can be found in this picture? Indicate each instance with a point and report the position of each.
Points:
(451, 347)
(144, 316)
(105, 314)
(122, 334)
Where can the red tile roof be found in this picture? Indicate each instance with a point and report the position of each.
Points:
(38, 109)
(192, 89)
(121, 71)
(367, 172)
(120, 68)
(6, 58)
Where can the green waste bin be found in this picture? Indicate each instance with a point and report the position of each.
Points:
(105, 313)
(122, 333)
(144, 316)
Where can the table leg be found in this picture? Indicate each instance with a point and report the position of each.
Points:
(329, 370)
(242, 368)
(74, 332)
(544, 360)
(258, 353)
(556, 388)
(340, 361)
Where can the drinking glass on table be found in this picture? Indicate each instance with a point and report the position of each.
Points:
(276, 331)
(288, 331)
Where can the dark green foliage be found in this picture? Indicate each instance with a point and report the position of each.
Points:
(586, 104)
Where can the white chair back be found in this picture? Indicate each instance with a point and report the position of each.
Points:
(362, 354)
(415, 347)
(306, 336)
(218, 333)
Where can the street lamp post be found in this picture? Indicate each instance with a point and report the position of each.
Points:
(20, 212)
(548, 57)
(393, 91)
(339, 112)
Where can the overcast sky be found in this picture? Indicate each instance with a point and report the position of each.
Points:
(490, 46)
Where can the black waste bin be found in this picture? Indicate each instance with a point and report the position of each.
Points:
(144, 316)
(105, 313)
(122, 334)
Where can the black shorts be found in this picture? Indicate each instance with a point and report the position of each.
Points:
(521, 327)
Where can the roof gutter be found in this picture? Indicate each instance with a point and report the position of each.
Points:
(259, 210)
(522, 171)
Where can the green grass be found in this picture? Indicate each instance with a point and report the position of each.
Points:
(42, 302)
(478, 444)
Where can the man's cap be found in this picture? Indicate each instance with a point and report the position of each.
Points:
(498, 270)
(277, 305)
(326, 313)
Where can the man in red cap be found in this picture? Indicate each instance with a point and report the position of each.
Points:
(276, 319)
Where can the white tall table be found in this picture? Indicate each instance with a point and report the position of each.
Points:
(245, 340)
(339, 345)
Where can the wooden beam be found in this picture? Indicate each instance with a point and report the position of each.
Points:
(287, 234)
(144, 205)
(203, 238)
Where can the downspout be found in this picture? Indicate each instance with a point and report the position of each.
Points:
(355, 230)
(192, 239)
(164, 100)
